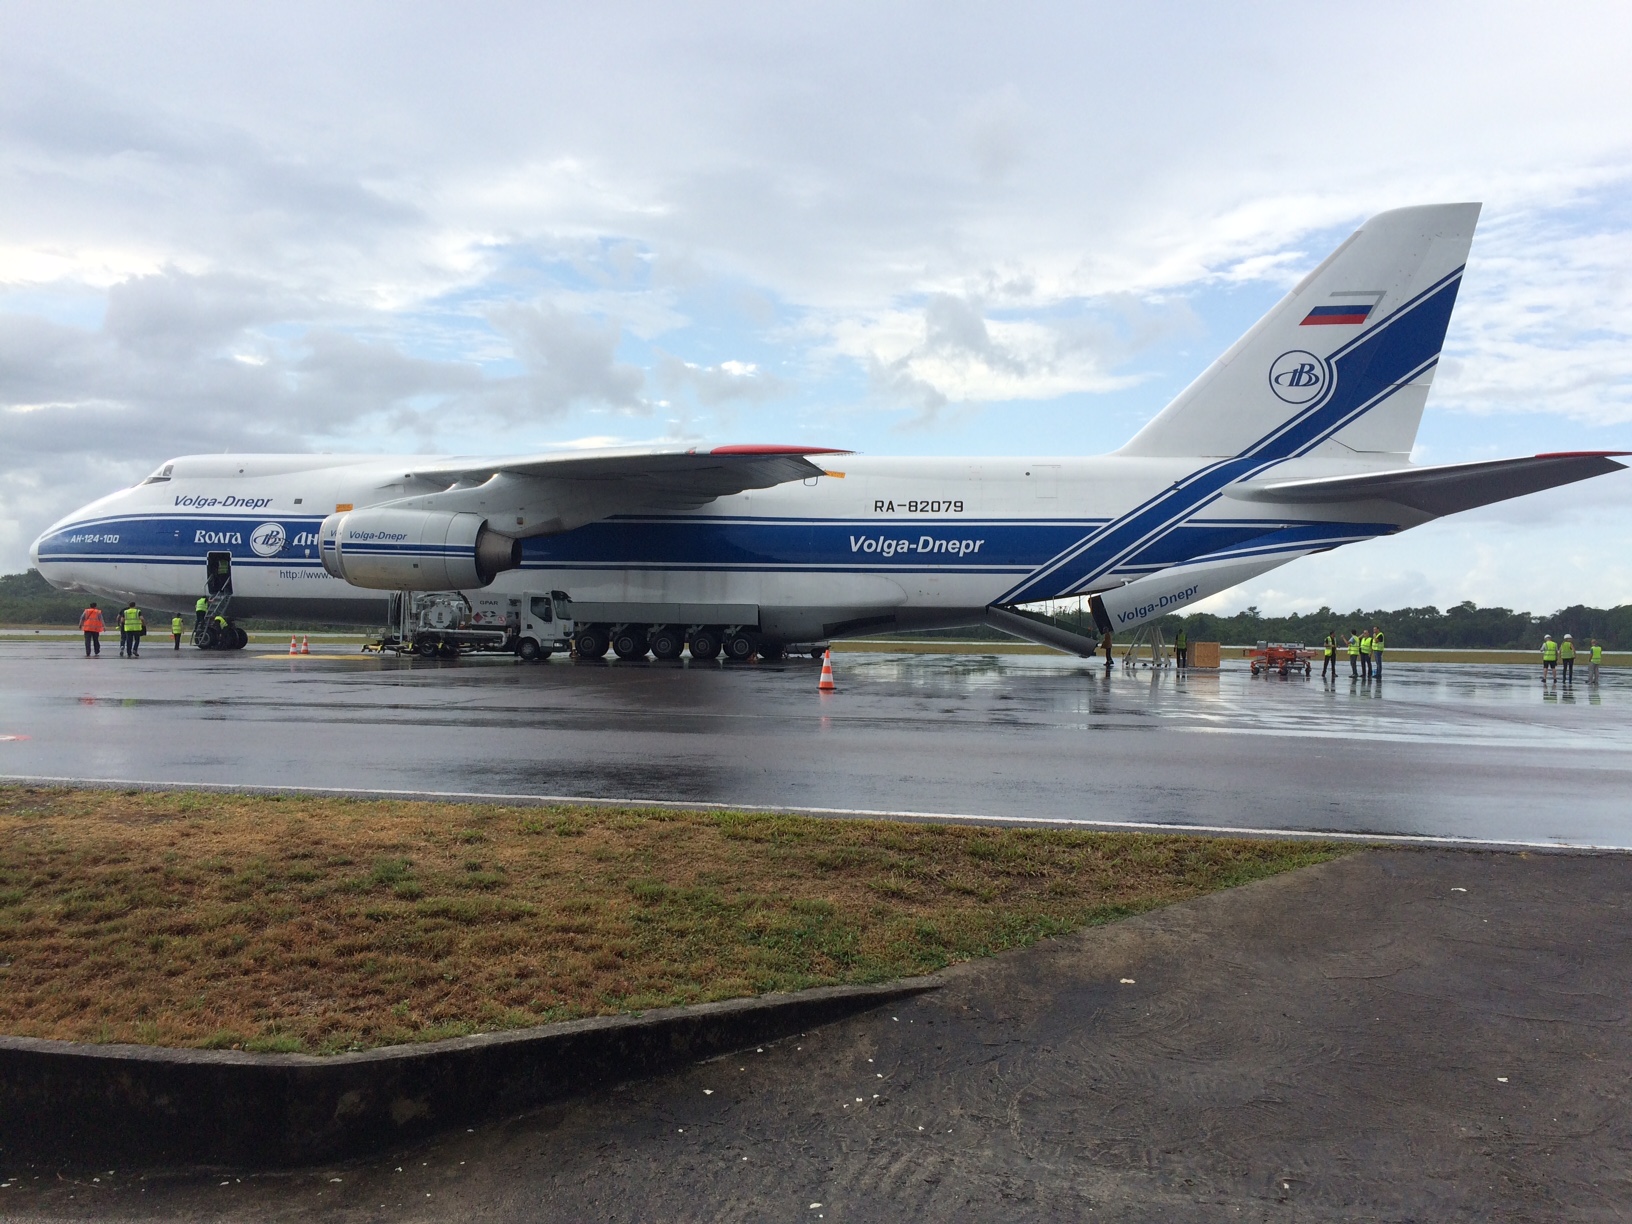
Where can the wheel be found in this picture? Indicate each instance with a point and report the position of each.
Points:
(772, 652)
(705, 644)
(528, 651)
(739, 647)
(448, 650)
(667, 642)
(426, 647)
(205, 638)
(591, 642)
(240, 639)
(1255, 669)
(629, 644)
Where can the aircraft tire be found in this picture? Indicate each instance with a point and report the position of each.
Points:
(705, 644)
(240, 639)
(667, 642)
(592, 642)
(739, 647)
(205, 639)
(772, 652)
(630, 644)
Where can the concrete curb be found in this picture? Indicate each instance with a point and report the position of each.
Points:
(122, 1105)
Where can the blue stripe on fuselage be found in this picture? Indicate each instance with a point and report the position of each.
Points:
(1360, 375)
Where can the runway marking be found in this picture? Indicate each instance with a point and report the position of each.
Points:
(1139, 826)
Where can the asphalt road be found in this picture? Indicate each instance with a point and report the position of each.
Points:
(1474, 752)
(1399, 1035)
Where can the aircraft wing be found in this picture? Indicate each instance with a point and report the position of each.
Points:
(527, 495)
(1446, 489)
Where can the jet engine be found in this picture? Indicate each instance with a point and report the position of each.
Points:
(415, 550)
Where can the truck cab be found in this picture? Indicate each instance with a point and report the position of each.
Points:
(546, 625)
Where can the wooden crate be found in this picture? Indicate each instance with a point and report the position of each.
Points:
(1203, 654)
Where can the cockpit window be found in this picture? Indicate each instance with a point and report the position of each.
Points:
(161, 475)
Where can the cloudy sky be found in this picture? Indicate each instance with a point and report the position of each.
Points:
(904, 229)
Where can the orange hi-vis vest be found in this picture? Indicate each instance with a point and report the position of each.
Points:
(90, 620)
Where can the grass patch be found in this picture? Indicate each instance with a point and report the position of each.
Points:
(293, 924)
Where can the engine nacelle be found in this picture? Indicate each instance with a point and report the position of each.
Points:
(415, 550)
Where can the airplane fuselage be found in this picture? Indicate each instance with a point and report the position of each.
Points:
(877, 542)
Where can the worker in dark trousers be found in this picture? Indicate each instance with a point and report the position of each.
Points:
(199, 609)
(176, 626)
(1354, 654)
(1328, 657)
(1365, 656)
(1376, 652)
(130, 627)
(1566, 656)
(1181, 650)
(90, 624)
(1549, 658)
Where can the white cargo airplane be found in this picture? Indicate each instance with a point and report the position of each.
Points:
(1295, 441)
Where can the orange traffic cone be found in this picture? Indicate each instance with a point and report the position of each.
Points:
(825, 684)
(293, 649)
(305, 644)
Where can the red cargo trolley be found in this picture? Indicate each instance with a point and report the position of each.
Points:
(1283, 658)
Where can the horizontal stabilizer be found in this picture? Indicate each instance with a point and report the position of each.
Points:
(1443, 490)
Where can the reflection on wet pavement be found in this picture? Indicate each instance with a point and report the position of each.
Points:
(1471, 751)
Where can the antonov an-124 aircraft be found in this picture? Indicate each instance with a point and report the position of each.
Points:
(1295, 441)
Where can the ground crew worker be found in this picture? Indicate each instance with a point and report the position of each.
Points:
(1106, 643)
(130, 624)
(176, 624)
(199, 609)
(1549, 658)
(1566, 652)
(1354, 654)
(1593, 661)
(1376, 652)
(1181, 648)
(90, 623)
(1365, 656)
(1329, 656)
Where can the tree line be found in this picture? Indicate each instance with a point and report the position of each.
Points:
(28, 599)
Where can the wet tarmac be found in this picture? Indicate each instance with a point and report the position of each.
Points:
(1482, 753)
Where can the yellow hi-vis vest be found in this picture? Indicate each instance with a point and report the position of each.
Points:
(1549, 651)
(1354, 646)
(1377, 644)
(1597, 654)
(1331, 646)
(202, 605)
(175, 625)
(132, 619)
(1566, 650)
(1365, 643)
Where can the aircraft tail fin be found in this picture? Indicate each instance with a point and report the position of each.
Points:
(1340, 366)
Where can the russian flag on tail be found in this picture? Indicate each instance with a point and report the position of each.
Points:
(1328, 315)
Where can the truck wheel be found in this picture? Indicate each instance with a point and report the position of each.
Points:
(527, 650)
(667, 642)
(630, 644)
(739, 647)
(592, 642)
(705, 644)
(426, 646)
(448, 650)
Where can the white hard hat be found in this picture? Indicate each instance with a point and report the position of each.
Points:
(1566, 635)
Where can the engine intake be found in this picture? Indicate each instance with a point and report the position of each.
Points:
(415, 550)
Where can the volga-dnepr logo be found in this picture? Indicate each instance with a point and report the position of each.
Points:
(268, 539)
(1297, 377)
